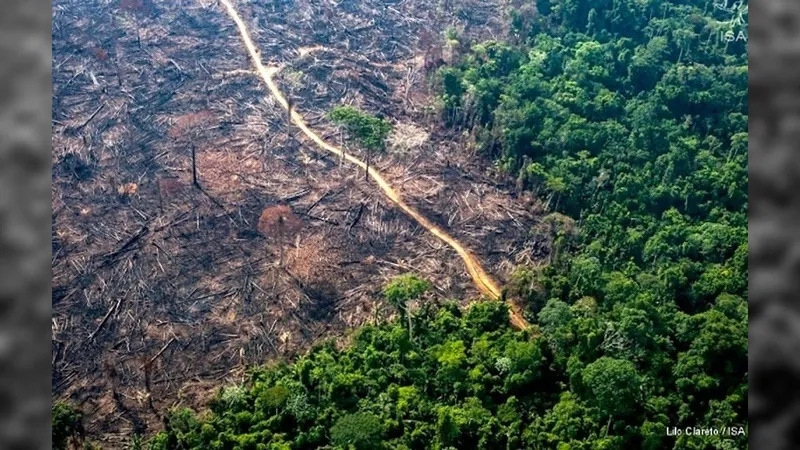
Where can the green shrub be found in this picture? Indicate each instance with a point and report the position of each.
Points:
(366, 130)
(67, 425)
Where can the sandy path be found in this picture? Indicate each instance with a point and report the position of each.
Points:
(483, 281)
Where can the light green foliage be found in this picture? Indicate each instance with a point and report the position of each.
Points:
(451, 36)
(233, 396)
(405, 288)
(451, 354)
(368, 131)
(503, 365)
(298, 406)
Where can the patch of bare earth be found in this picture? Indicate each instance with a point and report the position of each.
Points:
(163, 290)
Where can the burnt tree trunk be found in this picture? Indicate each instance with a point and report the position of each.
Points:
(194, 167)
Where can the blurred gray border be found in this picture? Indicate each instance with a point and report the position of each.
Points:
(774, 194)
(25, 276)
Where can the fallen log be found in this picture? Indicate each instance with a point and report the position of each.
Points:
(160, 352)
(105, 319)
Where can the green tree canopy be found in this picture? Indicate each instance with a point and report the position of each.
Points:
(360, 431)
(366, 130)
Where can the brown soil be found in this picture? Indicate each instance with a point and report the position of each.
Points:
(163, 291)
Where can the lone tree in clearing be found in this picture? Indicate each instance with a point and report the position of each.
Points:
(279, 221)
(187, 129)
(368, 131)
(141, 10)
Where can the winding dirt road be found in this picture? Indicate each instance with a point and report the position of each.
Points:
(482, 280)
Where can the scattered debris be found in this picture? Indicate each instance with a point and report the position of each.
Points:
(159, 273)
(127, 189)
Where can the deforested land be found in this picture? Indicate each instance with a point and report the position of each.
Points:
(398, 224)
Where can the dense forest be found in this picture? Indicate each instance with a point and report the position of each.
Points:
(629, 119)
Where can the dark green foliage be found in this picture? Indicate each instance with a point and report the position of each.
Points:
(631, 118)
(273, 398)
(614, 386)
(67, 426)
(465, 381)
(362, 431)
(368, 131)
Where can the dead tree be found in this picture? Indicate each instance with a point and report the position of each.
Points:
(147, 370)
(139, 9)
(194, 167)
(281, 222)
(559, 230)
(187, 130)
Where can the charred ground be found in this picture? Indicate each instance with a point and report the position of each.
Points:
(163, 290)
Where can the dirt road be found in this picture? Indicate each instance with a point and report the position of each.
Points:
(482, 280)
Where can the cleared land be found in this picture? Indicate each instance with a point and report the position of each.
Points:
(162, 290)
